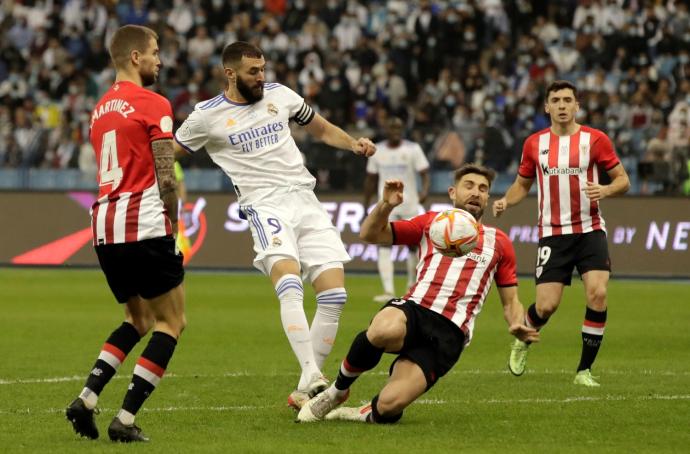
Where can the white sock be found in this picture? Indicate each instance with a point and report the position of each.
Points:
(125, 417)
(291, 295)
(324, 327)
(412, 261)
(386, 268)
(335, 393)
(89, 397)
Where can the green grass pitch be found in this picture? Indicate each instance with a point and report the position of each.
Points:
(226, 387)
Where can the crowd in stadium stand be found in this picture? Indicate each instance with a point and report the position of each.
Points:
(466, 76)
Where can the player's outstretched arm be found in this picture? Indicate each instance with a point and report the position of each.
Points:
(376, 229)
(517, 191)
(164, 160)
(329, 133)
(514, 314)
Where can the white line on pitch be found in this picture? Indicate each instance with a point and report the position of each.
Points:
(643, 372)
(231, 408)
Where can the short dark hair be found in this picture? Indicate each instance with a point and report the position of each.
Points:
(129, 38)
(471, 167)
(233, 53)
(560, 85)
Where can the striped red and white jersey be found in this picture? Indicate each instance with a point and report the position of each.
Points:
(123, 124)
(456, 287)
(563, 165)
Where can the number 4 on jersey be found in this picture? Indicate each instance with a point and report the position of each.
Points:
(109, 170)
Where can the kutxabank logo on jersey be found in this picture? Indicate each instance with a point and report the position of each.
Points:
(257, 136)
(546, 170)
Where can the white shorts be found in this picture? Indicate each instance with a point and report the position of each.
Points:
(293, 224)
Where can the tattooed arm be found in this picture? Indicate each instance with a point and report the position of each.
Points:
(164, 161)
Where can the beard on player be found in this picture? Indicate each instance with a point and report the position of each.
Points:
(251, 94)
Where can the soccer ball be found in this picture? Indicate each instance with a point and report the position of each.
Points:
(454, 232)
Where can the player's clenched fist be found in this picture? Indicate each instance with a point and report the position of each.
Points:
(364, 146)
(393, 192)
(500, 206)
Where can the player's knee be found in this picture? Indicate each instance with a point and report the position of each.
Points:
(387, 410)
(386, 333)
(596, 297)
(142, 324)
(546, 309)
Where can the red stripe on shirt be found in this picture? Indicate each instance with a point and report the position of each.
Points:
(475, 299)
(132, 218)
(110, 220)
(463, 282)
(436, 283)
(553, 185)
(540, 182)
(425, 266)
(593, 206)
(574, 180)
(94, 222)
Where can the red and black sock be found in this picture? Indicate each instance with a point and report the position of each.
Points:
(149, 370)
(113, 353)
(533, 320)
(362, 356)
(592, 335)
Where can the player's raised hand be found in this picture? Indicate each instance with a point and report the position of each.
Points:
(500, 206)
(393, 192)
(364, 147)
(524, 333)
(595, 191)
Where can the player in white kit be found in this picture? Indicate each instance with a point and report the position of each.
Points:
(397, 159)
(246, 132)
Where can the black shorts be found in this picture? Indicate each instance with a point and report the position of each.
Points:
(147, 268)
(432, 341)
(557, 256)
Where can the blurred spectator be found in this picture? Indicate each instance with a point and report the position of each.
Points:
(467, 74)
(200, 47)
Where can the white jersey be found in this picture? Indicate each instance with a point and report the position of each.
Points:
(403, 163)
(252, 143)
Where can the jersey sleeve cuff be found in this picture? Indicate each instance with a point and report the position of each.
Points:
(613, 165)
(393, 232)
(185, 147)
(514, 284)
(161, 136)
(526, 176)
